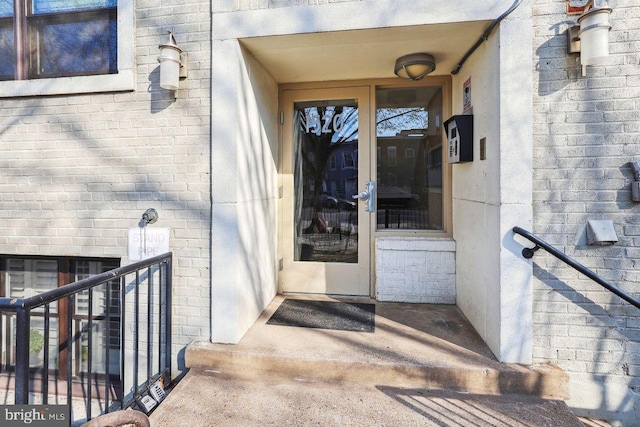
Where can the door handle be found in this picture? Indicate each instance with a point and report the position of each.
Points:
(363, 195)
(368, 196)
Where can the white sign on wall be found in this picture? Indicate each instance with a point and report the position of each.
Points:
(147, 242)
(466, 95)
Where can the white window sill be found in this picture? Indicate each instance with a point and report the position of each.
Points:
(123, 81)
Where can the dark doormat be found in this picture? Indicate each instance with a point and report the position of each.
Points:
(340, 316)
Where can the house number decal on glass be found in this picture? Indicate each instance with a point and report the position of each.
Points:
(330, 123)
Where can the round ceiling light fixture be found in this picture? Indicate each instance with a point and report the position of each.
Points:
(414, 66)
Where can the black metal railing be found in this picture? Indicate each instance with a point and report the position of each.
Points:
(402, 218)
(122, 314)
(541, 244)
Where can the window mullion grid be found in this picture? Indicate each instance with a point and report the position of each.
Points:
(21, 8)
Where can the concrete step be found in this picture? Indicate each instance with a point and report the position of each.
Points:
(205, 398)
(543, 381)
(414, 346)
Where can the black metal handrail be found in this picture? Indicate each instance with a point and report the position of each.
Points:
(541, 244)
(158, 320)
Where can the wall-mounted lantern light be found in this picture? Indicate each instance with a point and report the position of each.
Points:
(173, 64)
(414, 66)
(590, 37)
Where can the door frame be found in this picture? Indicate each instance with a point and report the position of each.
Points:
(445, 82)
(324, 278)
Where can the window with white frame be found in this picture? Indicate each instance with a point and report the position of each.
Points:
(347, 160)
(392, 155)
(7, 65)
(410, 156)
(58, 46)
(350, 186)
(332, 161)
(59, 38)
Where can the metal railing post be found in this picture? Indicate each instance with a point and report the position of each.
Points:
(22, 356)
(168, 284)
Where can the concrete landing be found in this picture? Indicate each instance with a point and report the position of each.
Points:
(414, 345)
(423, 366)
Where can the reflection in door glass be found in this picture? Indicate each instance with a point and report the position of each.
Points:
(325, 169)
(409, 163)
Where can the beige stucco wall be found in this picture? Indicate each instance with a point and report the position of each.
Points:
(491, 196)
(244, 191)
(498, 313)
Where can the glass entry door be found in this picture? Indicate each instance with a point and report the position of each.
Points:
(325, 235)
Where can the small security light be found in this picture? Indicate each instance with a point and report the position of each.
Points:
(414, 66)
(173, 64)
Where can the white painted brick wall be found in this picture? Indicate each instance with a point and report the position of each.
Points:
(417, 270)
(586, 130)
(77, 171)
(238, 5)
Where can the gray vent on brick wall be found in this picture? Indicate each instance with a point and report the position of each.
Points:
(601, 232)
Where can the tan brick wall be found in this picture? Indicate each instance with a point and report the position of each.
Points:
(586, 131)
(77, 171)
(240, 5)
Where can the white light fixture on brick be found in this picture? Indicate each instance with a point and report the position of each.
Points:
(414, 66)
(591, 37)
(173, 64)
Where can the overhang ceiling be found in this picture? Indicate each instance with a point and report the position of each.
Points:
(359, 54)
